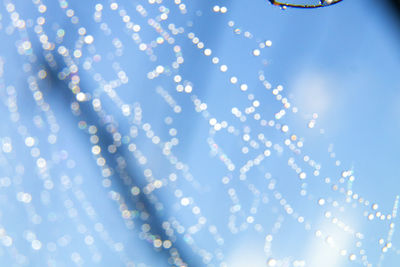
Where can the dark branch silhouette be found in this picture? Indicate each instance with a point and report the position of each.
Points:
(323, 3)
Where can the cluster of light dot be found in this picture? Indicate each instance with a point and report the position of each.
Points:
(73, 63)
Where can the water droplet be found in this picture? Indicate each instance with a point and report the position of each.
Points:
(271, 262)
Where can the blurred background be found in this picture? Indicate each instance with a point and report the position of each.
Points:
(199, 133)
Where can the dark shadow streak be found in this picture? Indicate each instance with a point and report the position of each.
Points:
(140, 202)
(395, 4)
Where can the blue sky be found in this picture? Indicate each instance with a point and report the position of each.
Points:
(336, 66)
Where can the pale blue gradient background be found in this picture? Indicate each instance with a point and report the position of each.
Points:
(342, 62)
